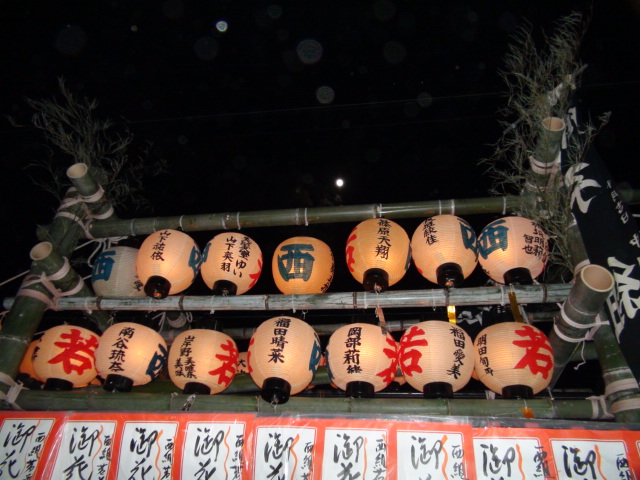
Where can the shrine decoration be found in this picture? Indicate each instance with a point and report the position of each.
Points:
(513, 359)
(167, 263)
(202, 361)
(232, 264)
(361, 359)
(513, 250)
(129, 355)
(64, 357)
(444, 250)
(302, 265)
(436, 358)
(378, 253)
(114, 273)
(284, 353)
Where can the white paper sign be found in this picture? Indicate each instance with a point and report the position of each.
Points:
(593, 459)
(355, 453)
(283, 452)
(21, 443)
(430, 455)
(146, 450)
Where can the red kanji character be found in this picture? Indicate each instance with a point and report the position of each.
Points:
(255, 276)
(349, 252)
(532, 356)
(409, 358)
(388, 374)
(78, 353)
(251, 342)
(229, 363)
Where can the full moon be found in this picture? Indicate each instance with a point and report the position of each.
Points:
(339, 182)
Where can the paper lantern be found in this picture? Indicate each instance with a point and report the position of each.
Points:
(436, 358)
(378, 253)
(513, 250)
(284, 353)
(231, 264)
(444, 250)
(26, 366)
(202, 361)
(513, 359)
(64, 357)
(243, 363)
(129, 355)
(114, 273)
(302, 265)
(361, 359)
(167, 263)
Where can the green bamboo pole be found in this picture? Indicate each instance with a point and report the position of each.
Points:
(91, 192)
(543, 160)
(549, 293)
(304, 216)
(591, 288)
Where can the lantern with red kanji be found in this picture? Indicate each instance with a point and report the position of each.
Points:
(202, 361)
(436, 358)
(129, 355)
(361, 359)
(444, 250)
(232, 263)
(64, 357)
(378, 253)
(513, 359)
(283, 357)
(302, 265)
(167, 263)
(114, 273)
(513, 250)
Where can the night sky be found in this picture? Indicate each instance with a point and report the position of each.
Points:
(263, 105)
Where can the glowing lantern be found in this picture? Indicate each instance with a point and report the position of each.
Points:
(284, 353)
(26, 366)
(202, 361)
(129, 355)
(302, 265)
(243, 363)
(361, 359)
(232, 263)
(444, 250)
(114, 273)
(378, 253)
(167, 263)
(513, 250)
(65, 357)
(436, 358)
(513, 359)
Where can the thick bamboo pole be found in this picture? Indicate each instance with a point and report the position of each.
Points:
(550, 293)
(304, 216)
(91, 192)
(543, 162)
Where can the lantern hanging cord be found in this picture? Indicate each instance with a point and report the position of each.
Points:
(504, 205)
(14, 390)
(293, 304)
(180, 222)
(238, 218)
(187, 405)
(306, 222)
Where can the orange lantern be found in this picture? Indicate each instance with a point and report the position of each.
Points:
(232, 264)
(436, 358)
(202, 361)
(114, 273)
(513, 250)
(65, 357)
(26, 366)
(302, 265)
(378, 253)
(513, 359)
(167, 263)
(243, 363)
(361, 359)
(444, 250)
(129, 355)
(284, 353)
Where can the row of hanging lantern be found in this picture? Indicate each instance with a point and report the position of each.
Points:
(444, 248)
(436, 357)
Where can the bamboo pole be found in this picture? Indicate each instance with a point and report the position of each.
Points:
(549, 293)
(543, 162)
(91, 192)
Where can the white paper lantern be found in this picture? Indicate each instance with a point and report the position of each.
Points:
(302, 265)
(513, 359)
(283, 357)
(513, 250)
(361, 359)
(436, 358)
(114, 273)
(167, 263)
(444, 250)
(129, 355)
(64, 357)
(378, 253)
(232, 263)
(202, 361)
(26, 366)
